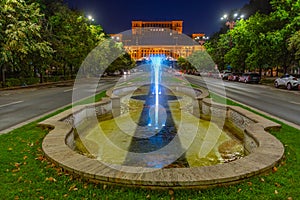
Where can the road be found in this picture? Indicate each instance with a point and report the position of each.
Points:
(280, 103)
(25, 105)
(18, 107)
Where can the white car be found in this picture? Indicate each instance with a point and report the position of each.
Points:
(224, 74)
(288, 81)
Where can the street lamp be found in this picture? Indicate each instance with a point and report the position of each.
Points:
(202, 39)
(231, 21)
(90, 18)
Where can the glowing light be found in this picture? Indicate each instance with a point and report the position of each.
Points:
(156, 90)
(91, 18)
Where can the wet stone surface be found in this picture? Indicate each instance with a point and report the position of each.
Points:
(133, 139)
(110, 140)
(231, 150)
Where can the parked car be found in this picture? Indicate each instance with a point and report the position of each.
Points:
(224, 74)
(250, 77)
(234, 76)
(196, 73)
(289, 81)
(178, 73)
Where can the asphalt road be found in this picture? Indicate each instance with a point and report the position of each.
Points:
(25, 105)
(281, 103)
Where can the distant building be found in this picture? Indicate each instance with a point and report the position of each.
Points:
(116, 37)
(199, 37)
(138, 26)
(158, 37)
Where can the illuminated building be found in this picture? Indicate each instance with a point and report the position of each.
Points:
(116, 37)
(157, 37)
(138, 26)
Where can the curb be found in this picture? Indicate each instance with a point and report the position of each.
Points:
(37, 85)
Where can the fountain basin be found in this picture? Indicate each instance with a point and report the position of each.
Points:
(264, 151)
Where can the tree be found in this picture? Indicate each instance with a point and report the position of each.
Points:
(258, 27)
(201, 61)
(254, 6)
(123, 62)
(77, 38)
(294, 45)
(287, 14)
(218, 48)
(21, 39)
(183, 63)
(107, 56)
(264, 41)
(43, 36)
(240, 49)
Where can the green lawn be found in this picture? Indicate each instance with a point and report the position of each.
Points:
(26, 174)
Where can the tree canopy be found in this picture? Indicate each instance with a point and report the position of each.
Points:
(45, 38)
(267, 39)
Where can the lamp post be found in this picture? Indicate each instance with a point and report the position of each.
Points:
(202, 40)
(231, 21)
(91, 19)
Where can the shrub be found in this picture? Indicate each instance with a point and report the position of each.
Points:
(10, 82)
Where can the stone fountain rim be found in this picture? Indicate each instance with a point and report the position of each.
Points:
(268, 153)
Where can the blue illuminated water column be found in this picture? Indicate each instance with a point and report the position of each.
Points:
(155, 86)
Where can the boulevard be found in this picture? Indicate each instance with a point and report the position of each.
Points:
(21, 106)
(18, 107)
(280, 103)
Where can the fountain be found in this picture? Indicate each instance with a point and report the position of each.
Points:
(156, 108)
(161, 137)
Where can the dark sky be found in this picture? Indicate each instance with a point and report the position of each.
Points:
(199, 16)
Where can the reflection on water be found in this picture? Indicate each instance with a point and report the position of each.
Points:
(121, 140)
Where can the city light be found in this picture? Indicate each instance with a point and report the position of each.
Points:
(231, 20)
(91, 18)
(235, 16)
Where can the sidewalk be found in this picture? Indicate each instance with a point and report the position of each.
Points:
(47, 84)
(268, 81)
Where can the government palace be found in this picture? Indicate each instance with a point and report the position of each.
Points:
(159, 37)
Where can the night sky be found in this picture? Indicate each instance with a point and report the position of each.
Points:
(199, 16)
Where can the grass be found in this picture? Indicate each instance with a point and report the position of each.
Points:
(268, 81)
(26, 174)
(91, 99)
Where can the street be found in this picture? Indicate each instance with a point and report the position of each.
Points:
(280, 103)
(25, 105)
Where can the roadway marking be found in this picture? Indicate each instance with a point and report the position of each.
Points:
(9, 104)
(70, 90)
(293, 102)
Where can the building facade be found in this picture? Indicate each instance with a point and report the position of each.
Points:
(138, 26)
(158, 37)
